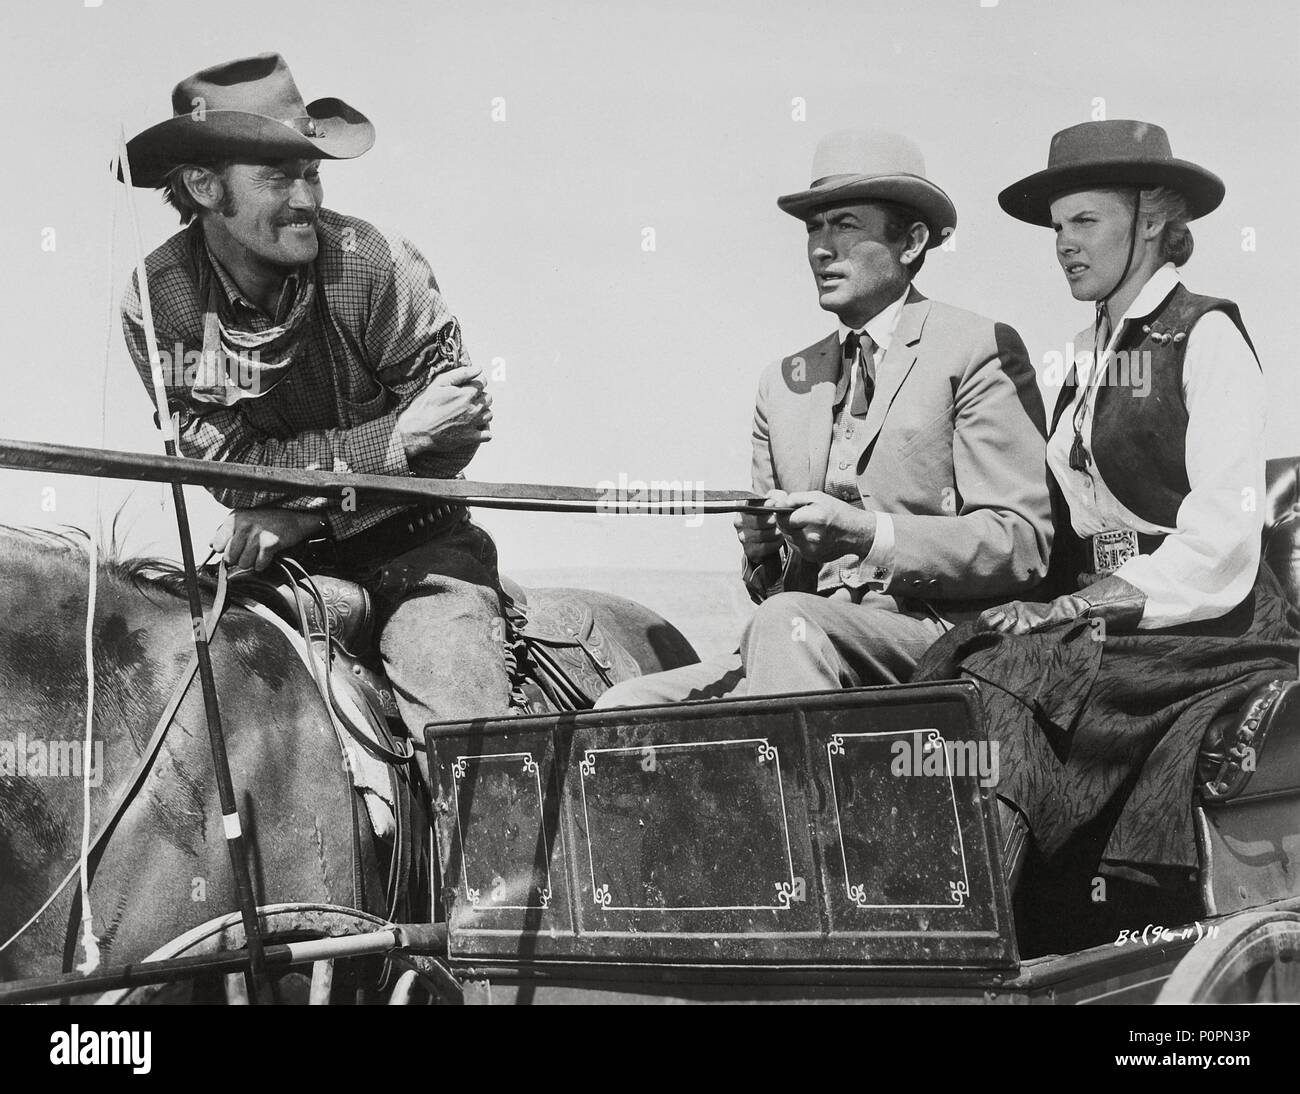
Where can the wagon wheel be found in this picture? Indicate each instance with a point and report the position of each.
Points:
(1253, 958)
(350, 980)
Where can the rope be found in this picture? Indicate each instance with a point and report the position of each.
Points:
(89, 943)
(150, 336)
(146, 308)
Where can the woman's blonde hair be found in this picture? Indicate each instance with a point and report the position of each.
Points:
(1167, 204)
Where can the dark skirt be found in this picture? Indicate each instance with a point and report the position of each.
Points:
(1094, 728)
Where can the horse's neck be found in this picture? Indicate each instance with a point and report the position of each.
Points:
(138, 649)
(42, 721)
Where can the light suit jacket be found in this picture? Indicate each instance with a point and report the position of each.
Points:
(952, 448)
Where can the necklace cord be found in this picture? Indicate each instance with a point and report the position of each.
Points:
(1079, 457)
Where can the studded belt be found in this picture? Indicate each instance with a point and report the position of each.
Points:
(389, 538)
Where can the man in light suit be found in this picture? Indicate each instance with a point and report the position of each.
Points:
(903, 454)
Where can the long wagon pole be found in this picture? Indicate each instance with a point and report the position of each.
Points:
(621, 497)
(413, 938)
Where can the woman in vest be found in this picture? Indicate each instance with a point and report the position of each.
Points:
(1099, 699)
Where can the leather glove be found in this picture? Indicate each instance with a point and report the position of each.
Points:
(1111, 599)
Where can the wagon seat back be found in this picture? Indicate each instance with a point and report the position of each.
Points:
(1248, 772)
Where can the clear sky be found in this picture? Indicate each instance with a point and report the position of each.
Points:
(681, 117)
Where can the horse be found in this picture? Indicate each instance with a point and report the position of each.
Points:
(166, 868)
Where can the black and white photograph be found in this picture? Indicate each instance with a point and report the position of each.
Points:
(633, 502)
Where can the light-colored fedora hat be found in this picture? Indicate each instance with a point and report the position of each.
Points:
(853, 165)
(1110, 153)
(249, 107)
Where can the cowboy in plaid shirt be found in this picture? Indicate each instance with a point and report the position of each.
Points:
(334, 351)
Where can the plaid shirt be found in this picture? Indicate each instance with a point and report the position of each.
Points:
(379, 333)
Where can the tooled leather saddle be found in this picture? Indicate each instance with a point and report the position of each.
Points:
(559, 656)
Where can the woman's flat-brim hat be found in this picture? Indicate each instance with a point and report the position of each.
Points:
(861, 165)
(1098, 155)
(248, 109)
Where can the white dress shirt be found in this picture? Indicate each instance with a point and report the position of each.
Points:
(1208, 562)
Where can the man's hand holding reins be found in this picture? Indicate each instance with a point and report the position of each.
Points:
(249, 539)
(759, 536)
(822, 527)
(452, 412)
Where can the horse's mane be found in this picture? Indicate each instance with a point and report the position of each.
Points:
(145, 573)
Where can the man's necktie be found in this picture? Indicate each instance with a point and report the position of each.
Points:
(858, 349)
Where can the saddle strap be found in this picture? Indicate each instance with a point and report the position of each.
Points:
(565, 654)
(344, 608)
(400, 761)
(558, 684)
(401, 751)
(341, 717)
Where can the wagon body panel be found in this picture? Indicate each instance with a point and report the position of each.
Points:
(850, 828)
(635, 848)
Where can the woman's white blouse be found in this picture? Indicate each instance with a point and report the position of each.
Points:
(1208, 563)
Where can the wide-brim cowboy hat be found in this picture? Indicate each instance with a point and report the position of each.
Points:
(860, 165)
(249, 108)
(1098, 155)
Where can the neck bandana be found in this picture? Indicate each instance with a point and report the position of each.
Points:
(239, 363)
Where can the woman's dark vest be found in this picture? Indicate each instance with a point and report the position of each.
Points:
(1139, 433)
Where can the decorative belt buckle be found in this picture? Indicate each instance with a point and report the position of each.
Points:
(1110, 550)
